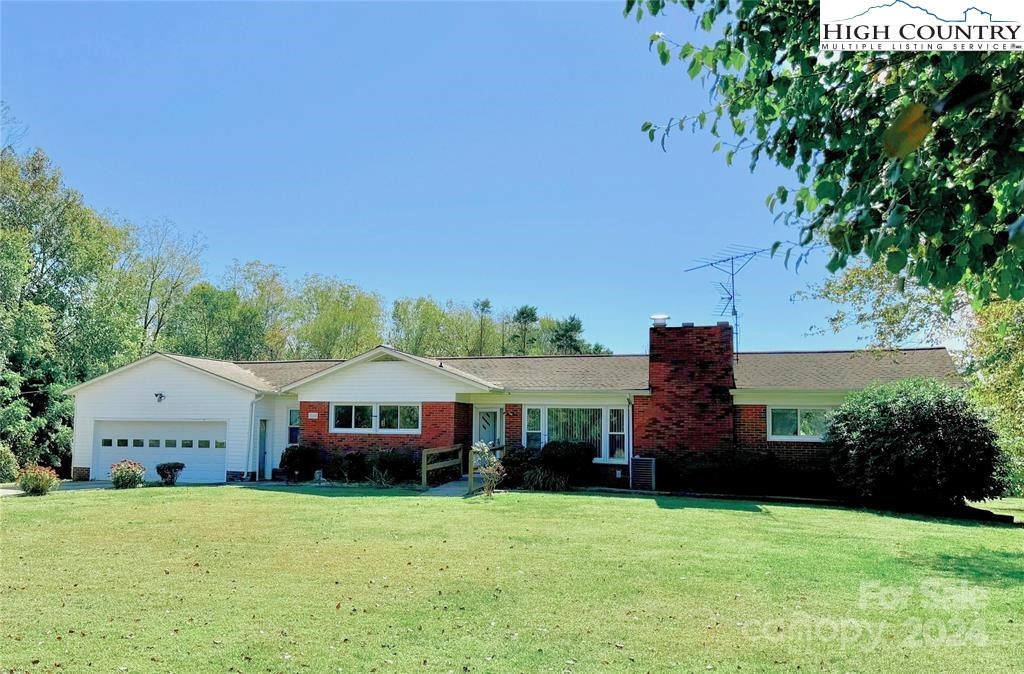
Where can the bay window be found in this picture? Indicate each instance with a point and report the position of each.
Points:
(375, 418)
(796, 423)
(603, 428)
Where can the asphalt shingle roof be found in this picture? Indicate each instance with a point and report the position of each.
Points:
(559, 373)
(840, 370)
(798, 370)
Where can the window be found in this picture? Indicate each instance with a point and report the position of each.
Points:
(375, 418)
(220, 444)
(353, 418)
(137, 443)
(204, 444)
(534, 437)
(154, 443)
(399, 417)
(617, 433)
(575, 425)
(186, 444)
(122, 442)
(107, 442)
(603, 428)
(796, 423)
(170, 443)
(293, 427)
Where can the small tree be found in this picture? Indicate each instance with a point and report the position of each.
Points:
(915, 444)
(488, 466)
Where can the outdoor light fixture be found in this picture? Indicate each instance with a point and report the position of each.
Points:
(159, 397)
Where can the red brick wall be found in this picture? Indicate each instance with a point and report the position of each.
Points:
(442, 425)
(752, 433)
(513, 425)
(690, 407)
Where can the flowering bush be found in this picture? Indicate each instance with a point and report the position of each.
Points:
(127, 474)
(37, 480)
(488, 466)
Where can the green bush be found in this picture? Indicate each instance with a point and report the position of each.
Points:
(8, 464)
(169, 472)
(517, 460)
(539, 478)
(345, 466)
(915, 444)
(1013, 477)
(393, 466)
(300, 462)
(37, 480)
(127, 474)
(572, 460)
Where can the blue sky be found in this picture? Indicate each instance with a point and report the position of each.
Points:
(460, 150)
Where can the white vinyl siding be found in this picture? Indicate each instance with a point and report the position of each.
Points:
(189, 395)
(392, 381)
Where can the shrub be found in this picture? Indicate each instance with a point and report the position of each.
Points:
(573, 460)
(516, 461)
(300, 462)
(127, 474)
(8, 464)
(540, 478)
(1013, 477)
(37, 480)
(393, 466)
(916, 444)
(489, 467)
(345, 466)
(169, 472)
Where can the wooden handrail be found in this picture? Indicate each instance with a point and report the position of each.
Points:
(427, 467)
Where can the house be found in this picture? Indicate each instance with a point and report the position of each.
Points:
(231, 421)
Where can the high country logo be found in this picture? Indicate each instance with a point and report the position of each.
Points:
(922, 25)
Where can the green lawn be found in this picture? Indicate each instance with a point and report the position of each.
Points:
(225, 579)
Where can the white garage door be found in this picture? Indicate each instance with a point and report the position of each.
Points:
(200, 445)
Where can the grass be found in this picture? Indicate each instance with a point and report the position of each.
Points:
(243, 579)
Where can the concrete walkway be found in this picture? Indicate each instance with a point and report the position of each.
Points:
(454, 488)
(64, 486)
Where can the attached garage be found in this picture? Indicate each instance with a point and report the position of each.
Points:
(200, 445)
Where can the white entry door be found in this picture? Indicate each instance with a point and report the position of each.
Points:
(488, 426)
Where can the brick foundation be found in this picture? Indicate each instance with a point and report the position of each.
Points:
(80, 473)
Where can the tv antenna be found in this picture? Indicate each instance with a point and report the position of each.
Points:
(731, 262)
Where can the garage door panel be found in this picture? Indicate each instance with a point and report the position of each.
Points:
(200, 445)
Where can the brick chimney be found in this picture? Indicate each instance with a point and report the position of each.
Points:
(690, 408)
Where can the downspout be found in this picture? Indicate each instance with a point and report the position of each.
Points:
(252, 426)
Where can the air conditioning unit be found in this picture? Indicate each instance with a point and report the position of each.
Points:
(641, 473)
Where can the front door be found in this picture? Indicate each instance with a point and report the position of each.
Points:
(487, 427)
(263, 450)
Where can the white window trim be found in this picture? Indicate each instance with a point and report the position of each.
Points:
(604, 458)
(792, 438)
(375, 428)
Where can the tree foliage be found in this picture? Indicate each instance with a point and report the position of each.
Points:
(947, 215)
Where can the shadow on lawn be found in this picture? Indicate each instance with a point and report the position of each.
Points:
(331, 492)
(677, 502)
(984, 567)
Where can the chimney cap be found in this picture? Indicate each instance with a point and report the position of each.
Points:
(723, 324)
(660, 320)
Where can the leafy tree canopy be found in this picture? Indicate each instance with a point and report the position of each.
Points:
(947, 215)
